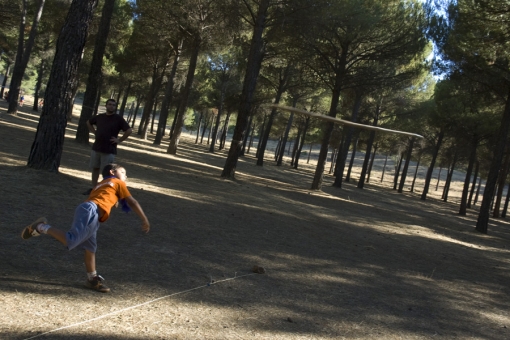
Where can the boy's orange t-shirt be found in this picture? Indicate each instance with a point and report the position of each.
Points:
(107, 193)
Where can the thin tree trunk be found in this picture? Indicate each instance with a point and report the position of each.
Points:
(473, 186)
(353, 157)
(167, 99)
(279, 161)
(340, 163)
(23, 55)
(174, 141)
(384, 168)
(428, 177)
(416, 173)
(40, 74)
(368, 152)
(406, 166)
(501, 185)
(125, 98)
(397, 171)
(450, 177)
(371, 163)
(478, 190)
(507, 199)
(467, 181)
(302, 143)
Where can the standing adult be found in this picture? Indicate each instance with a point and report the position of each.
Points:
(106, 128)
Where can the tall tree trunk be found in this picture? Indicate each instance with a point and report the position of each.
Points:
(174, 141)
(125, 98)
(450, 177)
(95, 73)
(438, 177)
(371, 163)
(492, 177)
(342, 157)
(397, 171)
(501, 185)
(473, 186)
(261, 135)
(225, 131)
(353, 157)
(285, 137)
(199, 126)
(507, 199)
(46, 150)
(406, 165)
(467, 181)
(416, 173)
(23, 55)
(384, 167)
(428, 177)
(157, 79)
(250, 81)
(478, 190)
(297, 142)
(302, 142)
(40, 75)
(368, 152)
(167, 100)
(154, 115)
(284, 77)
(208, 123)
(247, 135)
(138, 103)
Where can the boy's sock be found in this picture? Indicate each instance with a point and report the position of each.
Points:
(91, 275)
(43, 228)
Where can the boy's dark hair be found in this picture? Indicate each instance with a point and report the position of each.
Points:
(111, 100)
(110, 167)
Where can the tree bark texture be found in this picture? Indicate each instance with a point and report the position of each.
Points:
(467, 181)
(46, 150)
(250, 81)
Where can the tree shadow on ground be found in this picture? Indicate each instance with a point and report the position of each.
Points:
(339, 263)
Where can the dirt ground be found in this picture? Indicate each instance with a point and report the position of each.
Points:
(340, 263)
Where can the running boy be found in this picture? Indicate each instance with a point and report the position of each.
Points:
(88, 216)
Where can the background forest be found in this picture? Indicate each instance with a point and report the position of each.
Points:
(436, 68)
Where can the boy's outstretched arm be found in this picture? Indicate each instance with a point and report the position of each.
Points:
(133, 204)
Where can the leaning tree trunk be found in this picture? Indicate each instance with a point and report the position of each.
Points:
(428, 177)
(250, 81)
(353, 157)
(46, 150)
(416, 172)
(370, 166)
(23, 55)
(449, 178)
(95, 73)
(406, 166)
(179, 120)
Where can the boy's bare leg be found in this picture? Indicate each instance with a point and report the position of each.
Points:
(95, 176)
(58, 235)
(90, 261)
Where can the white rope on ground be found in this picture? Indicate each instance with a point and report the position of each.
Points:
(136, 306)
